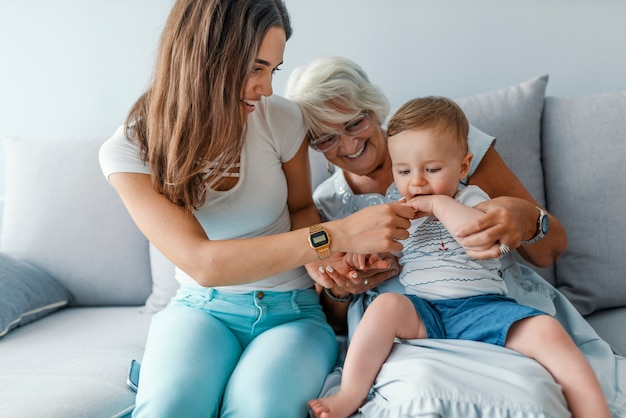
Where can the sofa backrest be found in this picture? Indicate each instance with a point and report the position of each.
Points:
(584, 153)
(63, 216)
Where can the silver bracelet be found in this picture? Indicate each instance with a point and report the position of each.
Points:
(337, 298)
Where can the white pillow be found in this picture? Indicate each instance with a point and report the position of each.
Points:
(63, 216)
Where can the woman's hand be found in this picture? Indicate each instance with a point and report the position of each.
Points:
(335, 274)
(342, 281)
(501, 223)
(509, 220)
(374, 229)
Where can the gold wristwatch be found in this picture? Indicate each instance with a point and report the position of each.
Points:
(319, 240)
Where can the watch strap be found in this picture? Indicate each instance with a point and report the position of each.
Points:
(540, 234)
(323, 253)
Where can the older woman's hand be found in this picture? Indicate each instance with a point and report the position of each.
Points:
(509, 220)
(499, 224)
(334, 273)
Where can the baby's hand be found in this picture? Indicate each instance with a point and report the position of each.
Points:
(362, 261)
(423, 205)
(356, 261)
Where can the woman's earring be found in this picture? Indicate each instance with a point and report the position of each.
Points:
(330, 168)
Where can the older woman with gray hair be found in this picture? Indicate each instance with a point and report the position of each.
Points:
(345, 114)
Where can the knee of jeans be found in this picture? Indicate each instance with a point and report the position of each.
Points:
(177, 402)
(264, 404)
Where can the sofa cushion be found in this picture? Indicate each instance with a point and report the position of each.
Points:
(584, 149)
(609, 324)
(72, 363)
(61, 215)
(27, 293)
(513, 116)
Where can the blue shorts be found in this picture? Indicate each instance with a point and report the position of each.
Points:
(486, 318)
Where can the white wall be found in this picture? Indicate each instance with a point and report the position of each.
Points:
(72, 68)
(458, 48)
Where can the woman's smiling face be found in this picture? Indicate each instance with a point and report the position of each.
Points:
(360, 154)
(268, 59)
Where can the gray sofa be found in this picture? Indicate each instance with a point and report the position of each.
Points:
(79, 283)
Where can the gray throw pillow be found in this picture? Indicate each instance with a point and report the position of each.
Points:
(513, 115)
(27, 293)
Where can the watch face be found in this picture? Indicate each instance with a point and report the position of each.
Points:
(318, 239)
(545, 223)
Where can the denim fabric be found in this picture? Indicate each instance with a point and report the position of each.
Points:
(212, 353)
(485, 318)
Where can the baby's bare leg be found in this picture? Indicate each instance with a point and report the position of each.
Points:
(544, 339)
(389, 316)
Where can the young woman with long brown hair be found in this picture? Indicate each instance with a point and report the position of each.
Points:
(214, 171)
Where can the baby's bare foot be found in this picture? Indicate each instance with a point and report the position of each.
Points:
(319, 408)
(333, 406)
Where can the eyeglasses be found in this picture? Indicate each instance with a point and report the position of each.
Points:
(326, 142)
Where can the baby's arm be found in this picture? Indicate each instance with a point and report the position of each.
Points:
(451, 213)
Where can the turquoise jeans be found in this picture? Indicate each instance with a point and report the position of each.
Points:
(217, 354)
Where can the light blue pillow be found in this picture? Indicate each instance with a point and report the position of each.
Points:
(27, 293)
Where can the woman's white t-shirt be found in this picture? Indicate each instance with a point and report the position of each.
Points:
(257, 205)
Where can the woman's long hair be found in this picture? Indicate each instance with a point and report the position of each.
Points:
(190, 123)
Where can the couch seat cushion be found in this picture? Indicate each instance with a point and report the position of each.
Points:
(610, 324)
(72, 363)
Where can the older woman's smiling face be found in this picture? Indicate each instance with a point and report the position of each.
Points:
(360, 154)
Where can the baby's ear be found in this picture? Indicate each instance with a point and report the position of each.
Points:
(465, 165)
